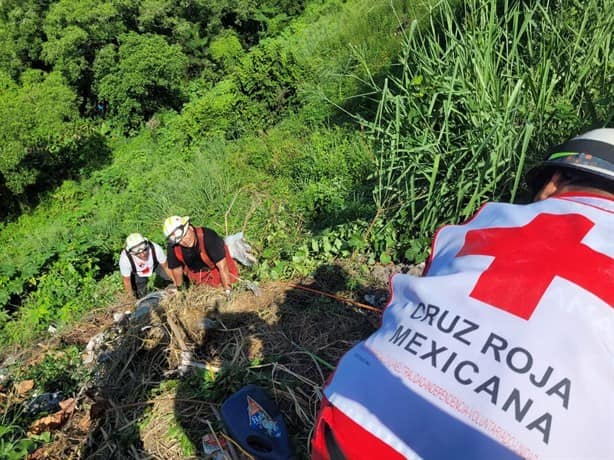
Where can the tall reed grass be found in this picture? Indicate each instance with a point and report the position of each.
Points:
(480, 92)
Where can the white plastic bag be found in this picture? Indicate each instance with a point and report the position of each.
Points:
(240, 250)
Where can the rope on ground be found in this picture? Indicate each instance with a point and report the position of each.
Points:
(336, 297)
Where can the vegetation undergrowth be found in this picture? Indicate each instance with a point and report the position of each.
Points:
(481, 92)
(322, 129)
(275, 182)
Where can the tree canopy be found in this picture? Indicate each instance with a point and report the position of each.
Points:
(141, 76)
(40, 122)
(65, 65)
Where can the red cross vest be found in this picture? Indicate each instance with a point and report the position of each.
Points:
(504, 349)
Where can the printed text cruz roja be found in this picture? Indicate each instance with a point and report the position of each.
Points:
(467, 372)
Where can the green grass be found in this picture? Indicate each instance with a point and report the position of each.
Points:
(482, 91)
(274, 183)
(474, 95)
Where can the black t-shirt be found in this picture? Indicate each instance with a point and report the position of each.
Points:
(214, 247)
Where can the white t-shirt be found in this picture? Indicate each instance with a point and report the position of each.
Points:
(144, 268)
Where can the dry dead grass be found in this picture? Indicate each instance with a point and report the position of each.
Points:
(138, 406)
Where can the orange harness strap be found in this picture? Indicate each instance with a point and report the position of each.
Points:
(200, 235)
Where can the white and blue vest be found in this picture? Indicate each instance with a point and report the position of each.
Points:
(505, 348)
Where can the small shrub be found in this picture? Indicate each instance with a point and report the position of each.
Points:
(15, 445)
(61, 371)
(62, 294)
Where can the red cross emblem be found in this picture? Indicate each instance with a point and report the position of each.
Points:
(528, 258)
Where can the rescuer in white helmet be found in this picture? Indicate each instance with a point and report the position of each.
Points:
(138, 261)
(503, 348)
(199, 253)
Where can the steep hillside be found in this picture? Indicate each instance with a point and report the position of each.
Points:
(338, 135)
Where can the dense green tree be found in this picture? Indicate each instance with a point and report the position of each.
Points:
(9, 60)
(184, 23)
(75, 30)
(194, 23)
(41, 136)
(143, 75)
(226, 50)
(256, 19)
(21, 35)
(262, 85)
(270, 75)
(166, 17)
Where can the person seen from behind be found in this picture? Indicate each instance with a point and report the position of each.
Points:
(504, 347)
(199, 253)
(138, 261)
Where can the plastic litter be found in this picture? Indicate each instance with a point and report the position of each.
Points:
(105, 356)
(120, 317)
(211, 324)
(370, 299)
(240, 250)
(46, 402)
(144, 305)
(95, 342)
(214, 449)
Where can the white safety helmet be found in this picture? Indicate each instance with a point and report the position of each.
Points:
(175, 228)
(136, 243)
(591, 153)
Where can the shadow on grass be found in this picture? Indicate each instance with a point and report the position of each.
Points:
(287, 341)
(91, 154)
